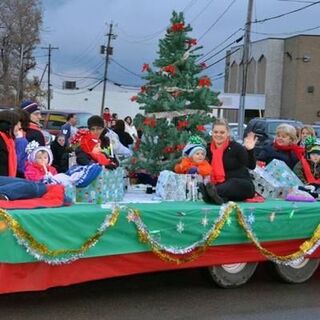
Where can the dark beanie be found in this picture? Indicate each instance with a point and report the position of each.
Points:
(95, 121)
(30, 106)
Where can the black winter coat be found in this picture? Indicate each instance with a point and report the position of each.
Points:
(236, 161)
(268, 153)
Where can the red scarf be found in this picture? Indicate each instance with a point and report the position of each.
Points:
(218, 175)
(100, 158)
(35, 126)
(298, 151)
(12, 156)
(307, 172)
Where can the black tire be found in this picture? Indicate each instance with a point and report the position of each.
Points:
(232, 275)
(298, 273)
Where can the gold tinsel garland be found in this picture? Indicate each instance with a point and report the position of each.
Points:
(40, 249)
(305, 248)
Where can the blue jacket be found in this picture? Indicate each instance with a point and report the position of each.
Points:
(268, 153)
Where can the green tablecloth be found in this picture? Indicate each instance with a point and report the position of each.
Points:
(69, 227)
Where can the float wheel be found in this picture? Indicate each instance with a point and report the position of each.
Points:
(297, 272)
(232, 275)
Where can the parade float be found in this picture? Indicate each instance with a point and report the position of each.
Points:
(111, 237)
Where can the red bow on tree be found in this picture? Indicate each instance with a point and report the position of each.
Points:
(170, 69)
(177, 27)
(133, 160)
(145, 67)
(179, 147)
(168, 150)
(151, 122)
(143, 89)
(204, 82)
(134, 98)
(182, 124)
(200, 127)
(192, 42)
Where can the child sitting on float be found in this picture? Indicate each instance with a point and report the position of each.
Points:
(308, 168)
(193, 161)
(90, 152)
(39, 169)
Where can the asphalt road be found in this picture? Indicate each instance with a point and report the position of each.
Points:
(183, 294)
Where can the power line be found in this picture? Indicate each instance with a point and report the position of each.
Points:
(285, 33)
(189, 5)
(226, 56)
(224, 48)
(286, 13)
(200, 13)
(220, 44)
(218, 19)
(126, 69)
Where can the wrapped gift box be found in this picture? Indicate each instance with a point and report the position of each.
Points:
(107, 187)
(70, 192)
(177, 187)
(266, 185)
(282, 173)
(276, 180)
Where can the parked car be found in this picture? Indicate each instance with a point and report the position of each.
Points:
(316, 128)
(265, 129)
(52, 120)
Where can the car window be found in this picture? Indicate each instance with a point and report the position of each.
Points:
(317, 131)
(82, 119)
(55, 121)
(272, 128)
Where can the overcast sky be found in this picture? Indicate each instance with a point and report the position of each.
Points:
(78, 28)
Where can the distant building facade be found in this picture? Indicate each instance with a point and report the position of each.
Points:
(286, 72)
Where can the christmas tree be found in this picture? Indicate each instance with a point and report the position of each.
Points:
(175, 100)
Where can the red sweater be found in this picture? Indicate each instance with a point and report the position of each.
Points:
(36, 172)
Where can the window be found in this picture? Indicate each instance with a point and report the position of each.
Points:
(55, 121)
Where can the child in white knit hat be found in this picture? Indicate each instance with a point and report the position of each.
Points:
(194, 161)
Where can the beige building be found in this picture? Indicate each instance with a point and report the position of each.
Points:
(285, 72)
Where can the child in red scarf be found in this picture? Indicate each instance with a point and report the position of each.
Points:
(308, 168)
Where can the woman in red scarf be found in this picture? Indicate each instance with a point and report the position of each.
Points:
(230, 179)
(283, 147)
(9, 127)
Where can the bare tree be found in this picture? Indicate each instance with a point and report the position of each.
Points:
(20, 23)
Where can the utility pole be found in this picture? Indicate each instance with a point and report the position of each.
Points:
(49, 71)
(245, 58)
(108, 51)
(19, 95)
